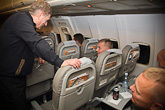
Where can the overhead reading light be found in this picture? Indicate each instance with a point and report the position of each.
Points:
(89, 6)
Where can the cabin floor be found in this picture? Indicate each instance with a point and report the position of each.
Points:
(45, 99)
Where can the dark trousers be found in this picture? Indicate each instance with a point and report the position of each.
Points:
(12, 93)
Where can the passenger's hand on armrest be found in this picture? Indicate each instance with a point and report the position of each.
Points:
(76, 63)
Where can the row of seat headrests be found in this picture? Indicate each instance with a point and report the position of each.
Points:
(70, 49)
(114, 61)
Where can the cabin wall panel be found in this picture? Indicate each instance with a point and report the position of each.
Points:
(130, 27)
(159, 36)
(147, 28)
(96, 26)
(107, 27)
(93, 27)
(63, 22)
(55, 28)
(141, 28)
(121, 26)
(144, 28)
(80, 25)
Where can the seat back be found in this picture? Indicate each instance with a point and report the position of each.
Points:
(72, 88)
(88, 48)
(130, 56)
(68, 50)
(108, 64)
(40, 80)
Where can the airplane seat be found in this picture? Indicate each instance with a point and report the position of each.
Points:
(73, 88)
(130, 56)
(40, 80)
(68, 50)
(88, 48)
(108, 64)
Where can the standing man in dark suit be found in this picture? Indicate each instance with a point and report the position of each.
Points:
(18, 43)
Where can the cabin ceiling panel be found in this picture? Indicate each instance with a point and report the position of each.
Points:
(140, 4)
(86, 7)
(114, 6)
(76, 8)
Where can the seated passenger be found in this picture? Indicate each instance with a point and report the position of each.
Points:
(103, 45)
(79, 38)
(148, 92)
(161, 58)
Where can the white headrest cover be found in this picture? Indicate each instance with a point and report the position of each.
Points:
(85, 61)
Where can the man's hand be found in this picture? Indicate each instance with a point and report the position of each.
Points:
(76, 63)
(41, 61)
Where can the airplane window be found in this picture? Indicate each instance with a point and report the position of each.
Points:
(87, 38)
(115, 44)
(144, 54)
(58, 38)
(68, 37)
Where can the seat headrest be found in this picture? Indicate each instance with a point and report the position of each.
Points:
(68, 50)
(107, 57)
(85, 61)
(89, 45)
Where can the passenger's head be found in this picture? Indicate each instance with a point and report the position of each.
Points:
(103, 45)
(79, 38)
(41, 13)
(148, 92)
(161, 58)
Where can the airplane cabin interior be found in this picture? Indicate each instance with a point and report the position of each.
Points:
(136, 28)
